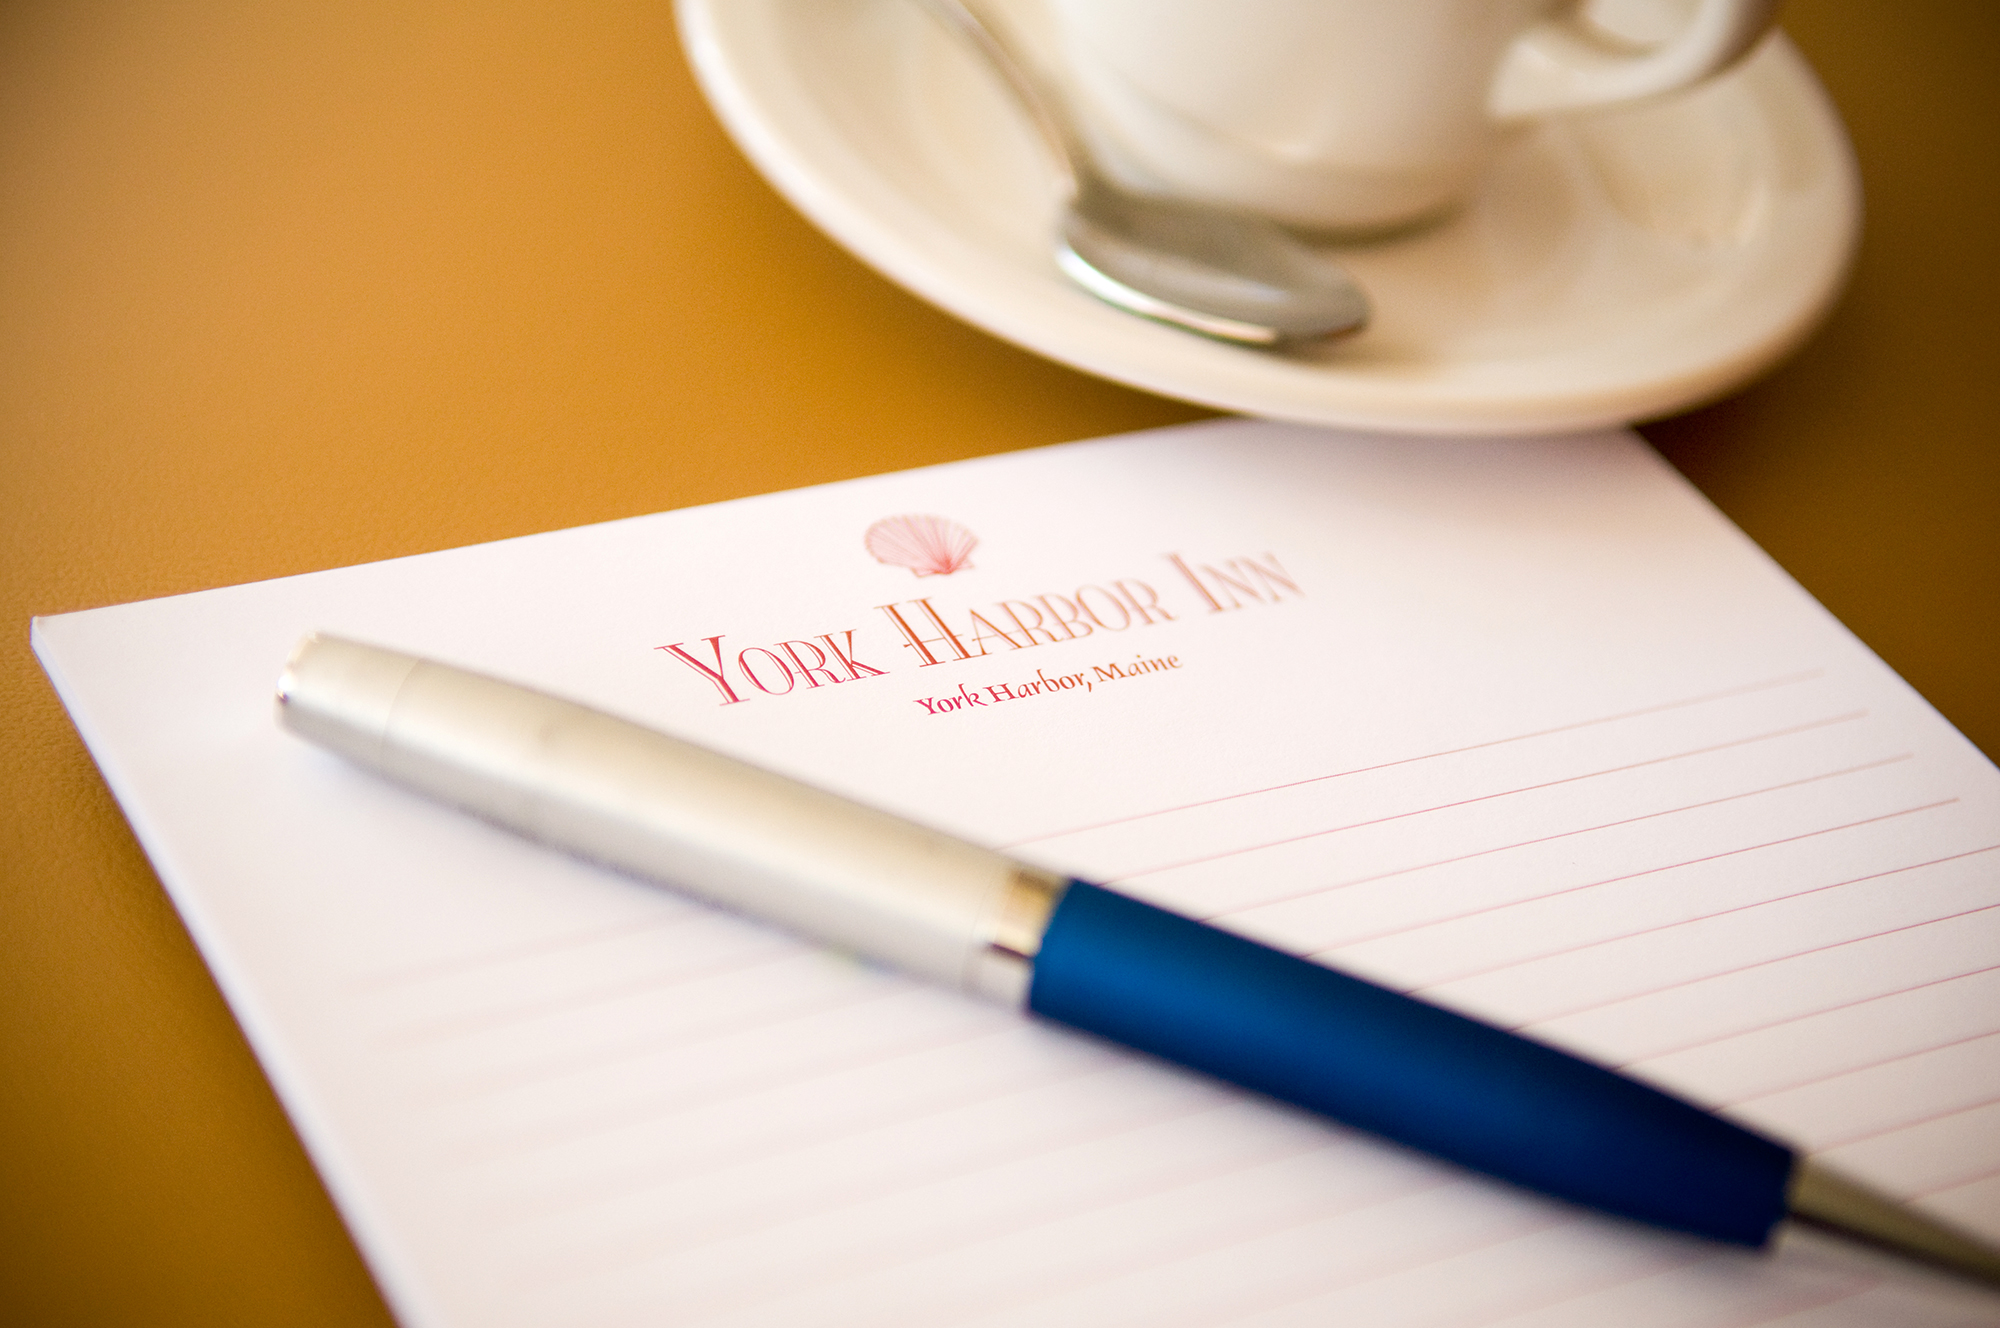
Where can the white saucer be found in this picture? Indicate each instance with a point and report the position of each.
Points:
(1613, 268)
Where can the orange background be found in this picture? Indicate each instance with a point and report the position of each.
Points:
(286, 286)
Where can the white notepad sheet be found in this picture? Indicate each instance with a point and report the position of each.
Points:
(1524, 726)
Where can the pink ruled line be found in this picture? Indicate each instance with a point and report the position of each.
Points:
(1321, 891)
(1127, 1193)
(1964, 1110)
(644, 1245)
(1745, 968)
(491, 1017)
(1790, 1301)
(1810, 1014)
(1665, 1258)
(1877, 1064)
(1744, 690)
(551, 1134)
(1503, 793)
(1516, 1229)
(648, 1042)
(1958, 1182)
(1245, 1233)
(667, 917)
(1653, 871)
(631, 1181)
(1684, 922)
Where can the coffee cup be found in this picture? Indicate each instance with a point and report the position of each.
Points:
(1363, 116)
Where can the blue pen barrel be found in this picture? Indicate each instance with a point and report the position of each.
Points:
(1401, 1068)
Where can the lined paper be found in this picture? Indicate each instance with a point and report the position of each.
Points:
(1528, 730)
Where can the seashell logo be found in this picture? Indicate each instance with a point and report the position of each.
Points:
(927, 545)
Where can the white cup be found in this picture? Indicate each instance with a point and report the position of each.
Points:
(1363, 115)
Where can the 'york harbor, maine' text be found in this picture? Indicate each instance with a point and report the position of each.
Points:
(1043, 684)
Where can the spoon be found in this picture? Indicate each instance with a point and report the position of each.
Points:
(1223, 274)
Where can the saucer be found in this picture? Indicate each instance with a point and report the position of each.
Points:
(1613, 267)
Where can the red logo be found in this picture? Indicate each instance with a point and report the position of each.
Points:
(927, 545)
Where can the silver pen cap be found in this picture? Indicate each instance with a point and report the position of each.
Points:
(670, 811)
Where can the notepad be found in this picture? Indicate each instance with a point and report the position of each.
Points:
(1523, 725)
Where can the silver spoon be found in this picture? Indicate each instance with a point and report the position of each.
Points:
(1220, 273)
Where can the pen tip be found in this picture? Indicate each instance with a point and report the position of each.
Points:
(1824, 1198)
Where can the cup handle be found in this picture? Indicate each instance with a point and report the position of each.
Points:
(1566, 63)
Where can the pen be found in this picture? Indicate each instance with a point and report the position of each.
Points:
(1078, 954)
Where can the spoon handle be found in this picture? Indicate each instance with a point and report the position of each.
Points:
(1042, 103)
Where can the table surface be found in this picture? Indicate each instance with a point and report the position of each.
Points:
(288, 286)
